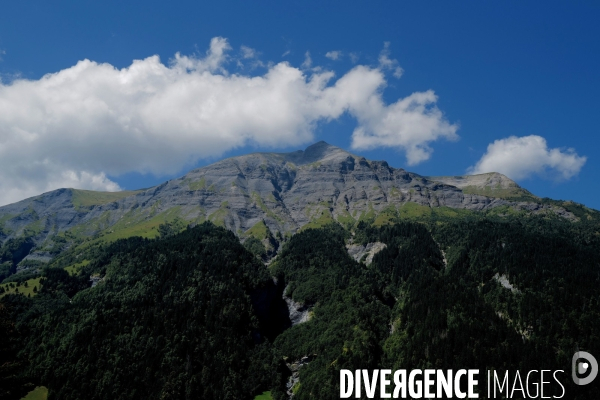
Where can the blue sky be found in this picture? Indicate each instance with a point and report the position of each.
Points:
(517, 77)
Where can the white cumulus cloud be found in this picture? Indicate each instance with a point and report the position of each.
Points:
(523, 157)
(411, 123)
(81, 125)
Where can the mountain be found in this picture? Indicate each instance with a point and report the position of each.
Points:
(375, 268)
(266, 195)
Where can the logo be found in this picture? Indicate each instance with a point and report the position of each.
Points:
(584, 363)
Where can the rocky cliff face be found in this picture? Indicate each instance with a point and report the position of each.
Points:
(285, 191)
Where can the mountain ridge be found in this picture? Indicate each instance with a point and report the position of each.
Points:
(490, 184)
(284, 191)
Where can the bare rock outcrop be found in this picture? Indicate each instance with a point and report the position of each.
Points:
(298, 313)
(366, 252)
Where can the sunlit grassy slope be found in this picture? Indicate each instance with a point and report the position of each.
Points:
(31, 283)
(39, 393)
(89, 198)
(75, 268)
(259, 231)
(133, 224)
(264, 396)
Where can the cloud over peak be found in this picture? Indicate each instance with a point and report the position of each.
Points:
(78, 126)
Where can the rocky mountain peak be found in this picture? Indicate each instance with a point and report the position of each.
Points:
(265, 195)
(320, 151)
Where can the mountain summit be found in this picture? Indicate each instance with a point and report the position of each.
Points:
(261, 194)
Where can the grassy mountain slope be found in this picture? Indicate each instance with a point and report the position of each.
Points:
(83, 199)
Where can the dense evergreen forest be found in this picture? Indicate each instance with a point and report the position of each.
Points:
(196, 315)
(172, 319)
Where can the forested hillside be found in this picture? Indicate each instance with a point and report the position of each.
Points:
(172, 319)
(192, 315)
(433, 298)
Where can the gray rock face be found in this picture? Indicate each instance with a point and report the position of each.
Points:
(503, 280)
(358, 251)
(95, 280)
(42, 256)
(294, 368)
(298, 313)
(285, 190)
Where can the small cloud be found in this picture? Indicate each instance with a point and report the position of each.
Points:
(286, 53)
(250, 56)
(354, 57)
(307, 61)
(216, 57)
(248, 52)
(334, 55)
(523, 157)
(2, 52)
(385, 62)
